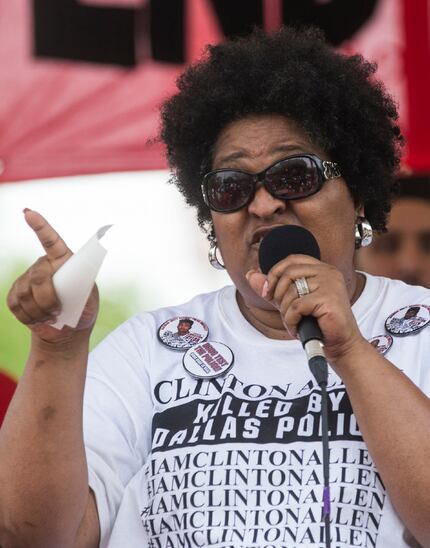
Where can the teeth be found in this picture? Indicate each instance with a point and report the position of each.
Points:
(258, 239)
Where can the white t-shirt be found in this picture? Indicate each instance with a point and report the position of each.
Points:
(236, 461)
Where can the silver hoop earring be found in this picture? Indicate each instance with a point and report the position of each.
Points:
(213, 258)
(363, 233)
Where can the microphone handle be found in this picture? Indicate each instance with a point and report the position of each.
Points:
(309, 329)
(311, 338)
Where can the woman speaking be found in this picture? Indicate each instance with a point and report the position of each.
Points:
(210, 435)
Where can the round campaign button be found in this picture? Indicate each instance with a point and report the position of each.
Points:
(408, 319)
(182, 332)
(208, 360)
(382, 343)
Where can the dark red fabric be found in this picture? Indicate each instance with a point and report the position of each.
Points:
(417, 70)
(7, 388)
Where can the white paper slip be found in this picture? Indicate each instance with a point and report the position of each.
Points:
(74, 280)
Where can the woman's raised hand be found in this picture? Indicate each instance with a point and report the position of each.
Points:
(32, 298)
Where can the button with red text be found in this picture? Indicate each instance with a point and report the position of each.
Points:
(208, 360)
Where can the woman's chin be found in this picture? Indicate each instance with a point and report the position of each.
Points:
(250, 299)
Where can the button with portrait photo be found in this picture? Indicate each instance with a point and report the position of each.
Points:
(182, 332)
(407, 320)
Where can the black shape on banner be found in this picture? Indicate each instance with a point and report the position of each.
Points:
(167, 30)
(238, 18)
(339, 19)
(65, 29)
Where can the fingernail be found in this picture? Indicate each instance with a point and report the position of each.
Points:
(26, 209)
(250, 273)
(293, 333)
(265, 289)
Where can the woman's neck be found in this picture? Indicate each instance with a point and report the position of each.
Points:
(269, 322)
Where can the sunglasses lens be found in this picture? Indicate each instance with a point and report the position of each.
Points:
(228, 190)
(294, 178)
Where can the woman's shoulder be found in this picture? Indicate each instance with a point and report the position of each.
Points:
(135, 339)
(402, 290)
(199, 307)
(397, 290)
(387, 301)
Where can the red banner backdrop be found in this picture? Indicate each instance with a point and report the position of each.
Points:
(64, 113)
(7, 389)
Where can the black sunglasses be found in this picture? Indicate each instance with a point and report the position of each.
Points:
(292, 178)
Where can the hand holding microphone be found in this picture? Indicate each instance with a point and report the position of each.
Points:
(288, 255)
(278, 244)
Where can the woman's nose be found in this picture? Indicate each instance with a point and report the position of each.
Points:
(264, 204)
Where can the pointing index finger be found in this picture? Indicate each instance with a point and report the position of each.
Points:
(54, 246)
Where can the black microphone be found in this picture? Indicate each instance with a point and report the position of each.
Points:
(278, 244)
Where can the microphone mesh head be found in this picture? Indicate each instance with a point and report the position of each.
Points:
(283, 241)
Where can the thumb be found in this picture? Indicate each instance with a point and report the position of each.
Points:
(258, 282)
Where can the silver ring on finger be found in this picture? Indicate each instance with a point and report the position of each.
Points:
(302, 287)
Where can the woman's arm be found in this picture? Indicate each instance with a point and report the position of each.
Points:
(44, 498)
(43, 471)
(393, 414)
(394, 419)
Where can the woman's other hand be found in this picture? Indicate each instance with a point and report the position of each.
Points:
(328, 301)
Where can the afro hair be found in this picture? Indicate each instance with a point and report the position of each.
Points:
(334, 98)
